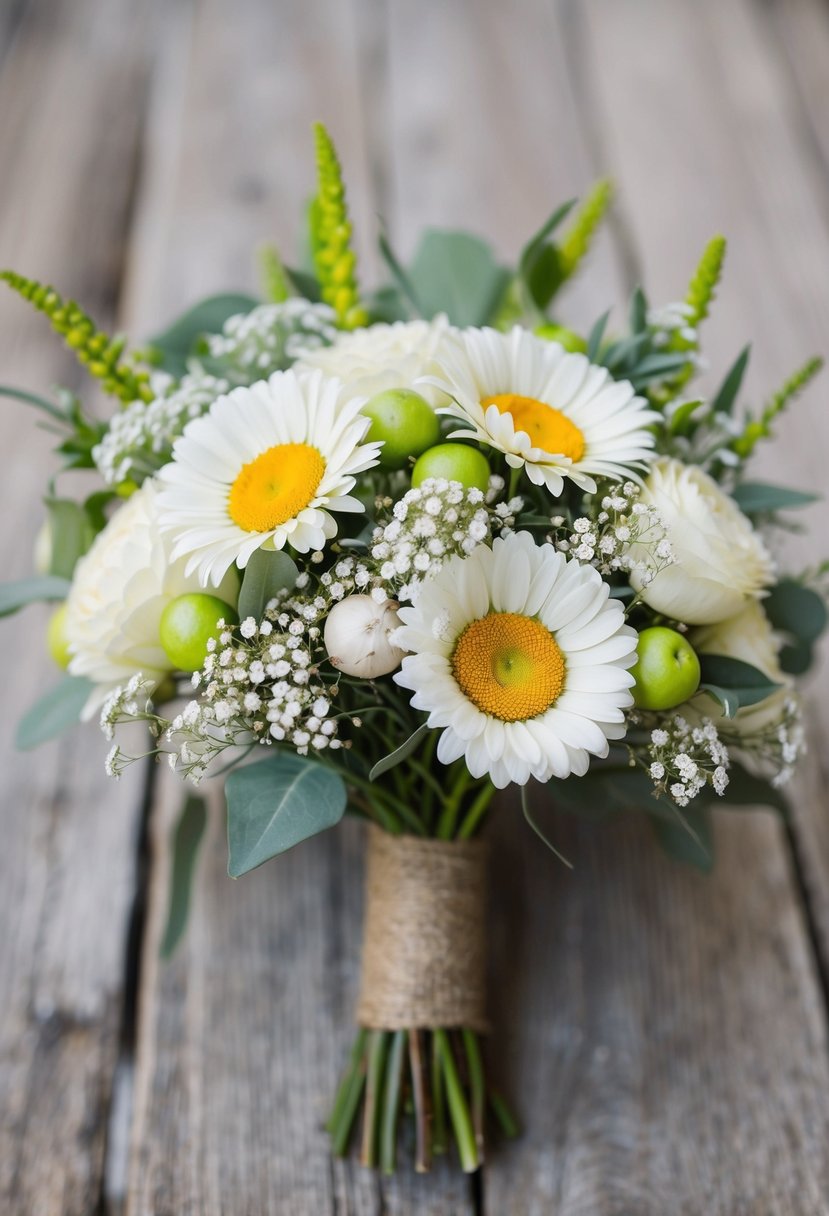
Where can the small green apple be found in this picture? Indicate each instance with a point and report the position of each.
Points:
(187, 625)
(56, 637)
(455, 462)
(405, 422)
(567, 338)
(666, 670)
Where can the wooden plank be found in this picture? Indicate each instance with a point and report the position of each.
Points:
(242, 1036)
(659, 1063)
(67, 864)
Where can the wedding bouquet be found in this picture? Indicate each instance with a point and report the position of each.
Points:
(387, 553)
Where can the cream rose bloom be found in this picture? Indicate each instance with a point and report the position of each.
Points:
(383, 357)
(748, 636)
(720, 561)
(119, 591)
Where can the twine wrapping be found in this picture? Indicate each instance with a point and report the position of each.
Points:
(424, 958)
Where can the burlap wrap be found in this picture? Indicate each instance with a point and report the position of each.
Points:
(424, 936)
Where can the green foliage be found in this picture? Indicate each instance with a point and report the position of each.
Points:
(455, 273)
(14, 596)
(276, 804)
(688, 837)
(334, 258)
(705, 280)
(54, 713)
(800, 614)
(276, 282)
(100, 354)
(400, 753)
(540, 268)
(72, 531)
(726, 394)
(742, 682)
(267, 573)
(579, 236)
(187, 837)
(183, 339)
(759, 498)
(761, 428)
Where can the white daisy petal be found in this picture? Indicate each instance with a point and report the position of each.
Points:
(514, 697)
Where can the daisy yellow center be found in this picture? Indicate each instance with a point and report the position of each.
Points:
(546, 426)
(275, 486)
(509, 666)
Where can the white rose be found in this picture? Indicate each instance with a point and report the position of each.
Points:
(750, 638)
(119, 591)
(720, 561)
(383, 357)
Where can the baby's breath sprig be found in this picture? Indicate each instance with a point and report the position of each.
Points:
(271, 337)
(622, 536)
(776, 747)
(100, 354)
(334, 258)
(682, 760)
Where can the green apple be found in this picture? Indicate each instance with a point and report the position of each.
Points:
(455, 462)
(567, 338)
(187, 625)
(56, 637)
(405, 422)
(666, 670)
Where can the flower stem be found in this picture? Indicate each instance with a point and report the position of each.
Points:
(348, 1099)
(475, 813)
(377, 1051)
(439, 1139)
(477, 1087)
(391, 1101)
(458, 1108)
(506, 1119)
(422, 1107)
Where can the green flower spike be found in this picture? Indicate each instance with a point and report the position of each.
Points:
(579, 237)
(334, 258)
(705, 280)
(760, 428)
(99, 353)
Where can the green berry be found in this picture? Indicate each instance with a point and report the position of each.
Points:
(455, 462)
(567, 338)
(56, 637)
(667, 669)
(187, 625)
(405, 422)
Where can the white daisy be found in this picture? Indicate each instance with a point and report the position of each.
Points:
(264, 468)
(518, 655)
(555, 414)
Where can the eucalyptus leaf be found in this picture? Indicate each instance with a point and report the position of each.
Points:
(14, 596)
(540, 264)
(72, 532)
(756, 497)
(399, 754)
(176, 344)
(749, 684)
(268, 572)
(455, 273)
(54, 713)
(187, 837)
(276, 804)
(801, 614)
(688, 837)
(727, 700)
(594, 341)
(726, 394)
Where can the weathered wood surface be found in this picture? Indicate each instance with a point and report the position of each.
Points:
(667, 1034)
(67, 861)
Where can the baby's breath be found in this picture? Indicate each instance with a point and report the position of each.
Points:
(622, 536)
(271, 337)
(140, 438)
(682, 760)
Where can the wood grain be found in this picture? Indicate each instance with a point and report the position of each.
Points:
(67, 859)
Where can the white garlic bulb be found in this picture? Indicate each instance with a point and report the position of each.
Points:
(358, 637)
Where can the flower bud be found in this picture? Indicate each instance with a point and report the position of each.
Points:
(358, 637)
